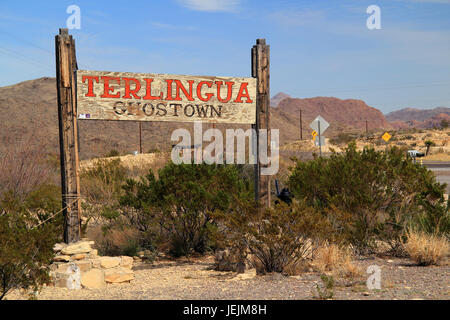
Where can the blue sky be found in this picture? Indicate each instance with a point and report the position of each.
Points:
(318, 48)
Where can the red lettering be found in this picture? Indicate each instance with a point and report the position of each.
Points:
(169, 90)
(133, 92)
(107, 89)
(180, 86)
(230, 91)
(90, 85)
(148, 95)
(241, 93)
(199, 90)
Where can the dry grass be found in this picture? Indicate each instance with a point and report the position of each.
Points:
(335, 260)
(24, 166)
(426, 249)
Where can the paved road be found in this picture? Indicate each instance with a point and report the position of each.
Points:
(442, 171)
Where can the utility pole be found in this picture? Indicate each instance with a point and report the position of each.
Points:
(301, 127)
(66, 66)
(367, 129)
(261, 71)
(140, 137)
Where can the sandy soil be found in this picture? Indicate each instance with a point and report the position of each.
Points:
(195, 279)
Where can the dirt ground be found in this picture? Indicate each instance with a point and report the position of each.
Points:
(195, 279)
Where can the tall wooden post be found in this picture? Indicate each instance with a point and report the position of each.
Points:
(261, 71)
(140, 137)
(301, 125)
(66, 65)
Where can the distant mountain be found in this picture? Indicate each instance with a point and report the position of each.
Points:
(341, 114)
(276, 99)
(418, 118)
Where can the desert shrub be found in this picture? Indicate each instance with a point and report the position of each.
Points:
(116, 241)
(426, 249)
(25, 253)
(435, 216)
(326, 291)
(277, 237)
(102, 183)
(23, 167)
(335, 259)
(368, 194)
(342, 138)
(29, 223)
(27, 238)
(181, 201)
(113, 153)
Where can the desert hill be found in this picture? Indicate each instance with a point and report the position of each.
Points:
(342, 114)
(276, 99)
(30, 108)
(418, 118)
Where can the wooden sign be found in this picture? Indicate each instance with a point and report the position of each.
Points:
(162, 97)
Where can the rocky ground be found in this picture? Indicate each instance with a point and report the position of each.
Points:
(195, 279)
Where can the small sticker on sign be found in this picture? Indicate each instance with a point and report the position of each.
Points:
(84, 116)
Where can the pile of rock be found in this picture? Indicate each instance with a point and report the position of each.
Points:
(78, 265)
(231, 259)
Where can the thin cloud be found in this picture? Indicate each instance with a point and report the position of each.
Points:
(172, 27)
(298, 18)
(211, 5)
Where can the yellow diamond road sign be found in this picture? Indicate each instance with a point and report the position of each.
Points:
(314, 134)
(386, 136)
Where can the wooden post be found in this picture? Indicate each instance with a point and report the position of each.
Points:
(301, 126)
(66, 65)
(140, 137)
(261, 71)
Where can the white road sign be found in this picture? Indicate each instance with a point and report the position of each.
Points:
(323, 124)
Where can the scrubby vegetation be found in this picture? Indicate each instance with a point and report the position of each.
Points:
(178, 206)
(371, 195)
(426, 249)
(343, 204)
(28, 198)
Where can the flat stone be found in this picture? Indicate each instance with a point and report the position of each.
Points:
(95, 263)
(79, 256)
(84, 265)
(59, 246)
(76, 248)
(93, 254)
(93, 279)
(126, 262)
(61, 258)
(109, 262)
(118, 275)
(62, 267)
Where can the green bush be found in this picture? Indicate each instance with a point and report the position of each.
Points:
(26, 240)
(342, 138)
(368, 195)
(181, 201)
(278, 237)
(102, 183)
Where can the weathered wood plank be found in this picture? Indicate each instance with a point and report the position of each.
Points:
(261, 69)
(70, 182)
(163, 97)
